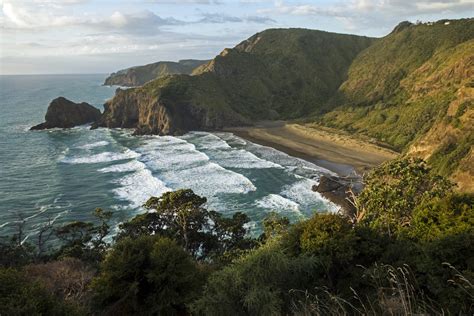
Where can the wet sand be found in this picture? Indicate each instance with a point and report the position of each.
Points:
(334, 150)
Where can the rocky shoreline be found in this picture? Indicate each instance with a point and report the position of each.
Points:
(63, 113)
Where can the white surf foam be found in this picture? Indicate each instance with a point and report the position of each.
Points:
(207, 140)
(293, 165)
(208, 180)
(102, 157)
(223, 154)
(125, 167)
(181, 165)
(94, 145)
(239, 158)
(277, 203)
(302, 193)
(138, 186)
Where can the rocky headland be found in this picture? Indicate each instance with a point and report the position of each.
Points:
(63, 113)
(139, 75)
(410, 91)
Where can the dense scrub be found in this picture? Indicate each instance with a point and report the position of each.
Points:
(408, 250)
(413, 90)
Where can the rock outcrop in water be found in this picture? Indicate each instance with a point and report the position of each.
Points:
(64, 113)
(336, 190)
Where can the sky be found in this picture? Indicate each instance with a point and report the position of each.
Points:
(102, 36)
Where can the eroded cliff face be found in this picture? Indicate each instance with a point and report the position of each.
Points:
(153, 113)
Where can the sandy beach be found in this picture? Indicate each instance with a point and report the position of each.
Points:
(331, 149)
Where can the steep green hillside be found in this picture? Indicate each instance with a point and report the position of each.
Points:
(414, 90)
(137, 76)
(278, 73)
(284, 73)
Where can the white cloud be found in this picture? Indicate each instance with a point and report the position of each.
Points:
(178, 2)
(216, 18)
(17, 16)
(37, 18)
(360, 7)
(357, 15)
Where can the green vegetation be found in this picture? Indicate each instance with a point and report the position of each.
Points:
(412, 88)
(148, 275)
(399, 91)
(394, 189)
(278, 73)
(407, 251)
(139, 75)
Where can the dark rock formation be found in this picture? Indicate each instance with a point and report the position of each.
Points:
(164, 115)
(63, 113)
(336, 190)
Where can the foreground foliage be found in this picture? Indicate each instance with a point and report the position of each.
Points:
(409, 251)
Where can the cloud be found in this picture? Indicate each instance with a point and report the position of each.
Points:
(216, 18)
(370, 14)
(143, 22)
(360, 7)
(23, 17)
(37, 18)
(179, 2)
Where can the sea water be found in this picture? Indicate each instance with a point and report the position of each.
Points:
(63, 175)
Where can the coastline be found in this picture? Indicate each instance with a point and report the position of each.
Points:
(347, 156)
(341, 153)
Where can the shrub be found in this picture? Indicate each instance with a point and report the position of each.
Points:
(147, 275)
(20, 296)
(393, 190)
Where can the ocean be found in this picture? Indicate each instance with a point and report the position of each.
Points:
(63, 175)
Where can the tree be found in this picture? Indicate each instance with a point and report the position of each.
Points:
(393, 190)
(67, 279)
(149, 275)
(331, 239)
(274, 225)
(181, 216)
(83, 240)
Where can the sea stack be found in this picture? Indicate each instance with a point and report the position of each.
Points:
(64, 113)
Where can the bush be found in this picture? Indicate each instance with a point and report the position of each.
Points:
(21, 296)
(259, 283)
(442, 217)
(147, 275)
(393, 190)
(330, 237)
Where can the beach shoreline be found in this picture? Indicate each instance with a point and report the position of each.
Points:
(343, 154)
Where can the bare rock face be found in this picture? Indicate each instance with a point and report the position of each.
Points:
(64, 113)
(151, 113)
(336, 190)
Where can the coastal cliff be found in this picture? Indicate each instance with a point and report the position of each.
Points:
(139, 75)
(169, 107)
(275, 74)
(411, 90)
